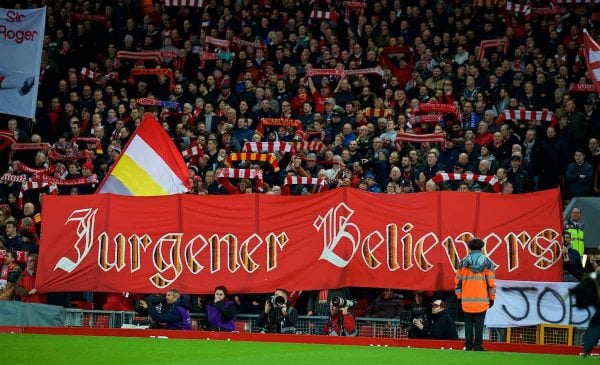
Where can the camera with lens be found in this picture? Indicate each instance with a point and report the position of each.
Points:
(159, 302)
(343, 303)
(277, 300)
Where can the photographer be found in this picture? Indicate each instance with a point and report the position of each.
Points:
(442, 326)
(220, 314)
(176, 316)
(340, 323)
(278, 316)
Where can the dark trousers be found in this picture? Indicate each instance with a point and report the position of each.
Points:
(474, 330)
(592, 334)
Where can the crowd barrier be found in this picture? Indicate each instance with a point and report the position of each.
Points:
(313, 325)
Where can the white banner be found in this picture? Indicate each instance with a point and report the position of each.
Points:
(529, 303)
(21, 38)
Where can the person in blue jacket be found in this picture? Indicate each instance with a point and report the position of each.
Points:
(176, 316)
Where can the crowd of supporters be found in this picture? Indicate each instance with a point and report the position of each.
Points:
(381, 96)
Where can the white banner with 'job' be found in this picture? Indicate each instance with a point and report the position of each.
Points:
(21, 38)
(529, 303)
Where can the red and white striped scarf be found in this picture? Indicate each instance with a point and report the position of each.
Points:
(278, 122)
(325, 72)
(341, 73)
(352, 6)
(21, 167)
(438, 108)
(365, 71)
(444, 176)
(418, 138)
(31, 146)
(193, 151)
(245, 156)
(241, 173)
(53, 155)
(430, 118)
(529, 11)
(168, 54)
(582, 88)
(269, 147)
(310, 146)
(97, 18)
(87, 73)
(6, 178)
(304, 180)
(576, 2)
(144, 55)
(245, 174)
(518, 8)
(92, 179)
(526, 115)
(191, 3)
(8, 135)
(491, 43)
(27, 147)
(242, 43)
(322, 14)
(30, 185)
(220, 43)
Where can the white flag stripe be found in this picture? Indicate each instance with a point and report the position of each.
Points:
(151, 162)
(596, 73)
(594, 55)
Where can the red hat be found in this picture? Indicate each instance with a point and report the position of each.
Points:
(88, 165)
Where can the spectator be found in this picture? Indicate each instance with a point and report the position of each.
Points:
(419, 312)
(13, 272)
(518, 177)
(442, 325)
(580, 176)
(176, 316)
(476, 290)
(13, 238)
(25, 285)
(220, 313)
(572, 266)
(386, 305)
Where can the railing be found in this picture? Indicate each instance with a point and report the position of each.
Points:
(313, 325)
(368, 327)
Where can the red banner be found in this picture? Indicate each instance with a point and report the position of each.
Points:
(256, 243)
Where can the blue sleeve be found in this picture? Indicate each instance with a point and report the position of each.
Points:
(172, 315)
(292, 317)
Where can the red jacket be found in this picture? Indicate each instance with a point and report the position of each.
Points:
(334, 324)
(25, 283)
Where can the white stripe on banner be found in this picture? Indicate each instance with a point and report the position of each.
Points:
(21, 38)
(151, 162)
(529, 303)
(594, 55)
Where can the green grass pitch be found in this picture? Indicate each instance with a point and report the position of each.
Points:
(88, 350)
